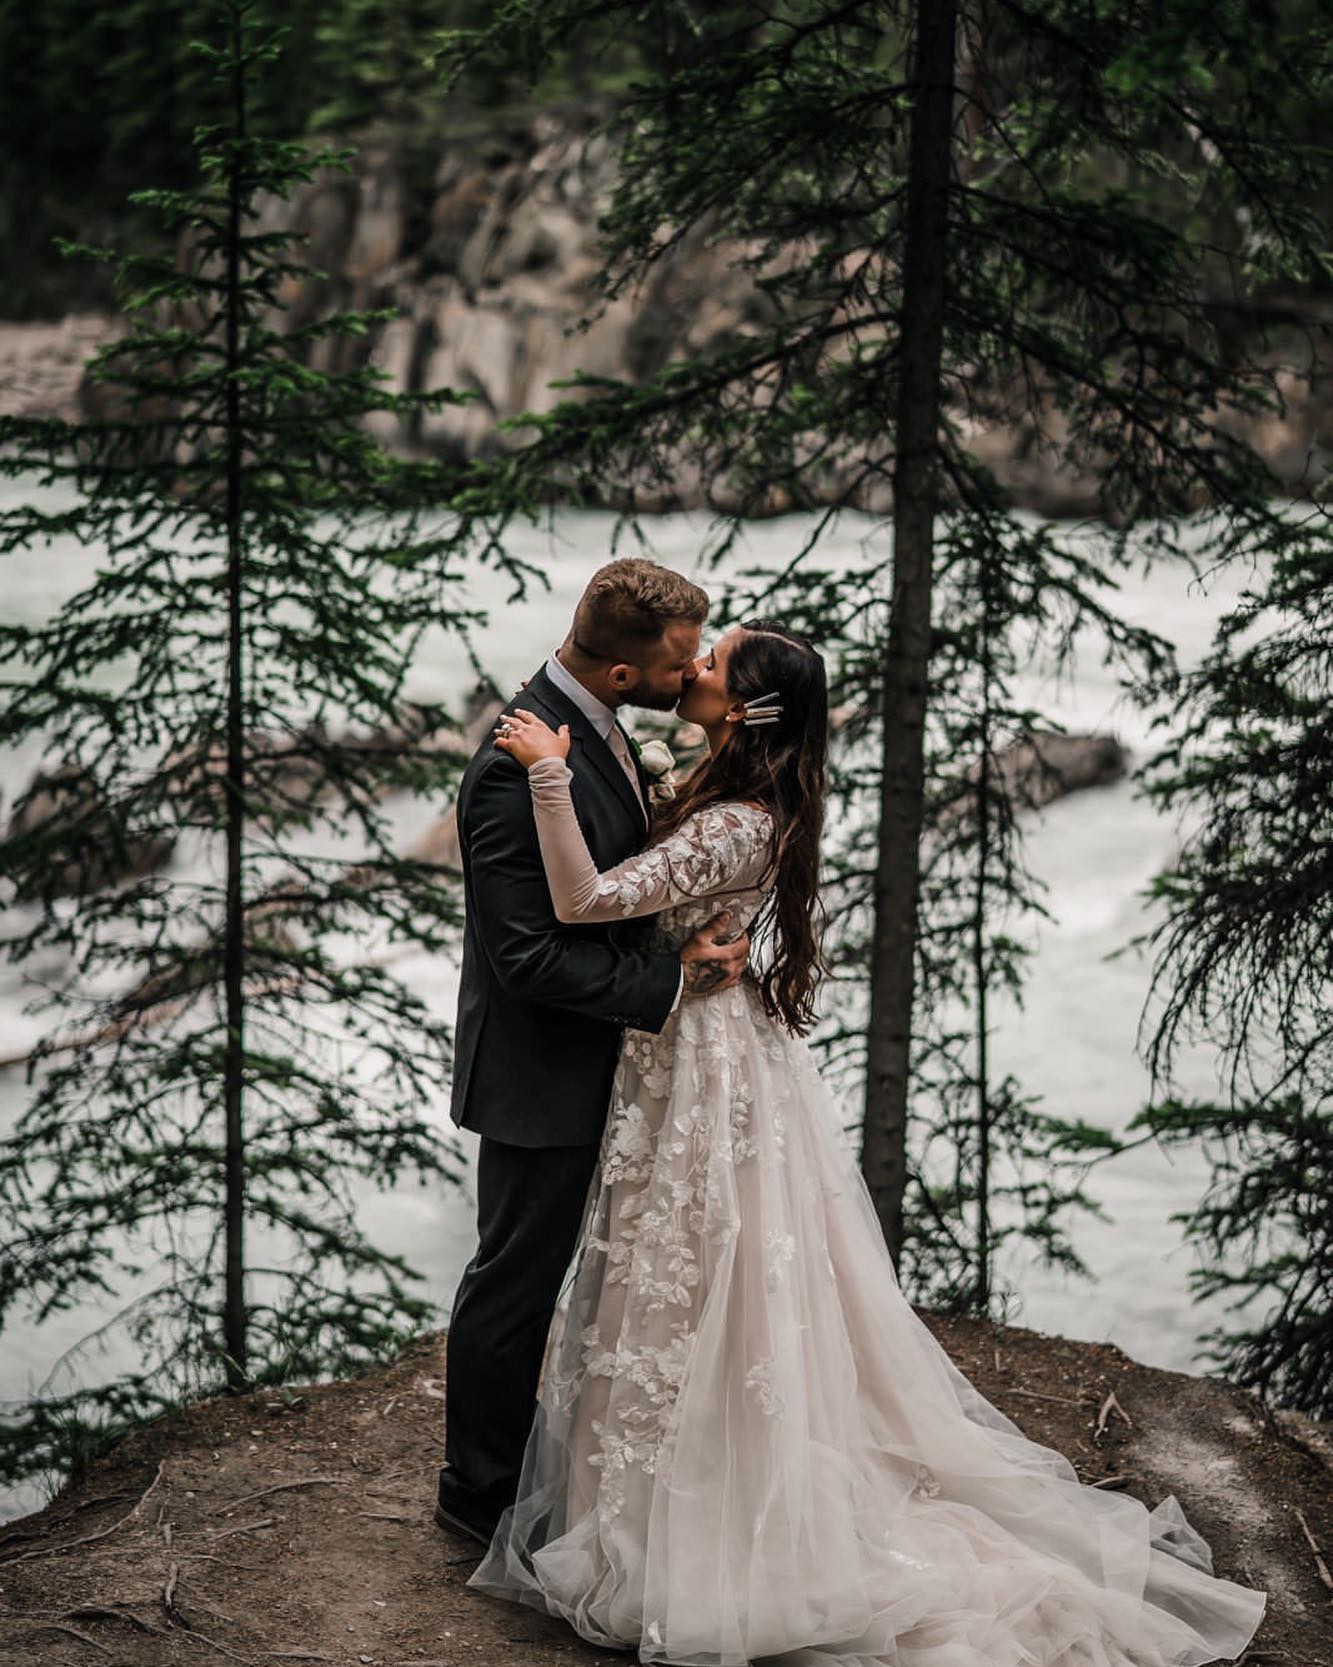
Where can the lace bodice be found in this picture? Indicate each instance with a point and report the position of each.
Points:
(716, 859)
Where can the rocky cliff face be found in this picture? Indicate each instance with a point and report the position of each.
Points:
(493, 270)
(490, 259)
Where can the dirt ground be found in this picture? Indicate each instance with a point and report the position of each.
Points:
(251, 1531)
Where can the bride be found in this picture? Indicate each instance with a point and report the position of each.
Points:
(747, 1446)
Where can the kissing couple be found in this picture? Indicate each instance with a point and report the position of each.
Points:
(688, 1407)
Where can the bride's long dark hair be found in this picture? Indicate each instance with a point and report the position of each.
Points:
(783, 767)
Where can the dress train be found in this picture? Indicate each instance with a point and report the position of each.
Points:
(749, 1448)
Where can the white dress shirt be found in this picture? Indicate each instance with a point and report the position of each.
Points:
(597, 712)
(603, 720)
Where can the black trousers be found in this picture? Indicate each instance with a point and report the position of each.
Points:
(530, 1203)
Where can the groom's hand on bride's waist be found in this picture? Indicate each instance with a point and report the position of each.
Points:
(709, 963)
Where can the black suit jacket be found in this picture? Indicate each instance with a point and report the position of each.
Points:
(541, 1005)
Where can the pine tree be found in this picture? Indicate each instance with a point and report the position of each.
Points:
(1243, 964)
(1130, 202)
(229, 686)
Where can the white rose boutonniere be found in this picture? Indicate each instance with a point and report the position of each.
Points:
(659, 764)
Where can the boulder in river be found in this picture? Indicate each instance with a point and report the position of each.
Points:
(1039, 768)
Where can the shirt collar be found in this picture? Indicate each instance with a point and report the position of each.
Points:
(597, 712)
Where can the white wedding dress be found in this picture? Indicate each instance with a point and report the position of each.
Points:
(748, 1448)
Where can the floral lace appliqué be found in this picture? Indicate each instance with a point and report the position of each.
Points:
(683, 1120)
(759, 1382)
(720, 846)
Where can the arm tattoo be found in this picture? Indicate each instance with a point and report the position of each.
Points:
(703, 977)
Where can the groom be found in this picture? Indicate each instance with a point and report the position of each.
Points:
(542, 1008)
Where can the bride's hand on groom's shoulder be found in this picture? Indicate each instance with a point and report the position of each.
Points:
(524, 736)
(711, 961)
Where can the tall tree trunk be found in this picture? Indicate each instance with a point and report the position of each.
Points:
(915, 498)
(234, 1311)
(982, 1291)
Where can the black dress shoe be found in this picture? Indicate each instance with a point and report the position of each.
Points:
(465, 1510)
(455, 1523)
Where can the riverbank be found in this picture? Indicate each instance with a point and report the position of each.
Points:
(298, 1529)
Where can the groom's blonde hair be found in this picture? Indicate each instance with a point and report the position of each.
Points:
(627, 607)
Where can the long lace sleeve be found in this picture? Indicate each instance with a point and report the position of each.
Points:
(721, 848)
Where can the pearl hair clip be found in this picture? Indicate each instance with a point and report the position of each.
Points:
(765, 709)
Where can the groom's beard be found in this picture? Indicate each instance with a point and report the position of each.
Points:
(656, 702)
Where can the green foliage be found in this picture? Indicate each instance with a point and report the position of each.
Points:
(1264, 1234)
(223, 701)
(96, 100)
(1242, 964)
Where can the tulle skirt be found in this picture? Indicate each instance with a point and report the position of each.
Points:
(749, 1449)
